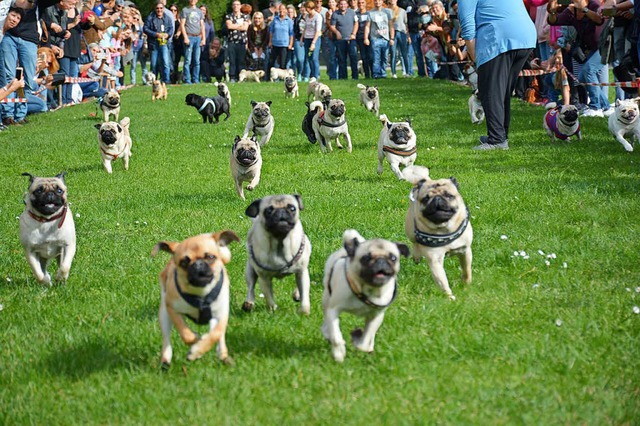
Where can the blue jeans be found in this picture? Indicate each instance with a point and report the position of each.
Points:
(594, 72)
(312, 59)
(92, 89)
(298, 51)
(415, 50)
(15, 49)
(163, 52)
(380, 47)
(366, 57)
(344, 49)
(400, 45)
(191, 70)
(134, 66)
(69, 66)
(332, 59)
(35, 104)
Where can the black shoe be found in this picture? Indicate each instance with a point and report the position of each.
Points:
(9, 121)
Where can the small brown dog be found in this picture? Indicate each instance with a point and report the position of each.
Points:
(195, 283)
(159, 90)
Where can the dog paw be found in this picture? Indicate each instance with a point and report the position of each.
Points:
(248, 306)
(339, 352)
(304, 310)
(451, 297)
(296, 295)
(46, 280)
(249, 188)
(379, 170)
(165, 365)
(194, 353)
(228, 361)
(61, 276)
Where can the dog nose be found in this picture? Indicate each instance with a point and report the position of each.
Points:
(200, 268)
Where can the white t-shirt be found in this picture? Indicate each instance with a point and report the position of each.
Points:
(5, 5)
(312, 26)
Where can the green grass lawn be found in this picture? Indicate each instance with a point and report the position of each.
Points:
(526, 343)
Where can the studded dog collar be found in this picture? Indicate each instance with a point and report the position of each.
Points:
(437, 240)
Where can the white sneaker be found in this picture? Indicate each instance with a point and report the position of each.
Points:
(593, 113)
(394, 76)
(609, 111)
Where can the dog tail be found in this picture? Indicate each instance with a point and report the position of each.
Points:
(315, 105)
(361, 86)
(414, 174)
(312, 80)
(125, 123)
(383, 119)
(550, 105)
(352, 234)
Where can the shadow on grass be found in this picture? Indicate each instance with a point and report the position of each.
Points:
(261, 343)
(81, 359)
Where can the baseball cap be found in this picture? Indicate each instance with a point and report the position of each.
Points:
(120, 3)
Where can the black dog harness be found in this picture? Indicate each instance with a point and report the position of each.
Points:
(202, 304)
(359, 294)
(288, 264)
(325, 123)
(438, 240)
(398, 152)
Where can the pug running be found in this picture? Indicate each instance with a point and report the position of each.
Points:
(397, 143)
(330, 124)
(115, 142)
(246, 163)
(260, 122)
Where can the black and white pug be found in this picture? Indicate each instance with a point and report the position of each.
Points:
(110, 105)
(625, 121)
(246, 163)
(359, 278)
(397, 143)
(370, 98)
(562, 123)
(277, 246)
(115, 142)
(330, 124)
(260, 122)
(291, 87)
(223, 90)
(475, 108)
(47, 230)
(209, 108)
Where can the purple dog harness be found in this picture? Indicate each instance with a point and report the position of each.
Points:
(551, 118)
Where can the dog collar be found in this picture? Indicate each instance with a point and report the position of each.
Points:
(399, 152)
(287, 265)
(260, 126)
(62, 216)
(439, 240)
(361, 296)
(325, 123)
(114, 156)
(202, 304)
(207, 101)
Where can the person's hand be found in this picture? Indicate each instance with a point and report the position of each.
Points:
(391, 42)
(366, 42)
(56, 28)
(119, 74)
(92, 19)
(40, 65)
(338, 36)
(66, 35)
(187, 42)
(202, 42)
(57, 51)
(16, 84)
(312, 47)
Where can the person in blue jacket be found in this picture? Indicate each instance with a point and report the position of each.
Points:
(500, 36)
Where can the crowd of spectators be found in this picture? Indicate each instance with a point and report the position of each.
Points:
(44, 41)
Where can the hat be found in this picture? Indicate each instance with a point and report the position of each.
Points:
(120, 3)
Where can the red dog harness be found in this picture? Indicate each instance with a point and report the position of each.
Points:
(551, 117)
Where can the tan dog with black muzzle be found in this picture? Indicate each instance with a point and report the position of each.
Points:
(47, 230)
(360, 278)
(437, 223)
(277, 246)
(245, 163)
(115, 142)
(195, 284)
(158, 90)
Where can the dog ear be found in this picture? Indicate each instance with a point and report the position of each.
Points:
(351, 246)
(119, 129)
(224, 238)
(389, 125)
(254, 138)
(408, 120)
(97, 126)
(31, 177)
(254, 208)
(168, 246)
(404, 249)
(298, 198)
(254, 103)
(269, 103)
(617, 102)
(61, 176)
(455, 182)
(235, 142)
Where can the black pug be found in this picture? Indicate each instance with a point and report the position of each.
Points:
(306, 124)
(209, 108)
